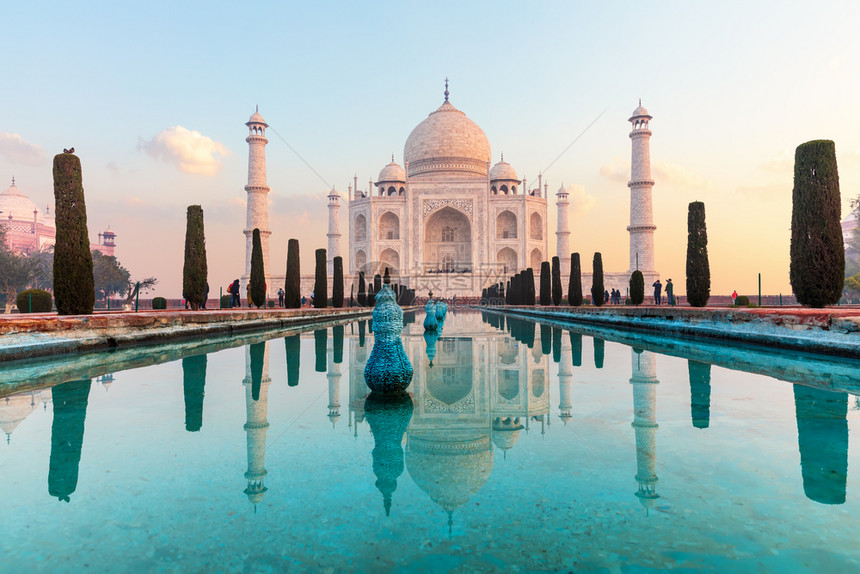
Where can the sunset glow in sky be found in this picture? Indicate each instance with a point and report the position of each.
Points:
(154, 97)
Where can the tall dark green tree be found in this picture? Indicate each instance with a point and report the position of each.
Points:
(597, 287)
(337, 286)
(637, 287)
(74, 287)
(817, 270)
(574, 286)
(556, 281)
(293, 283)
(362, 289)
(195, 271)
(545, 284)
(320, 281)
(258, 273)
(698, 268)
(386, 278)
(529, 287)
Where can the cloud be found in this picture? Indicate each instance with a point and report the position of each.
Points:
(617, 171)
(580, 202)
(190, 150)
(670, 173)
(14, 148)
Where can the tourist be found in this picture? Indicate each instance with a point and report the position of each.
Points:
(658, 292)
(234, 294)
(734, 298)
(670, 293)
(280, 297)
(304, 300)
(606, 296)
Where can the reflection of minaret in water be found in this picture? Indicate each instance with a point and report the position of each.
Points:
(822, 437)
(644, 383)
(256, 405)
(564, 375)
(333, 377)
(67, 436)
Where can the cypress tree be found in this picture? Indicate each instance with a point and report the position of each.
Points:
(371, 296)
(387, 277)
(377, 283)
(195, 271)
(698, 269)
(530, 287)
(74, 286)
(556, 281)
(817, 248)
(508, 293)
(597, 287)
(574, 286)
(337, 287)
(293, 283)
(545, 284)
(637, 287)
(362, 290)
(258, 274)
(320, 281)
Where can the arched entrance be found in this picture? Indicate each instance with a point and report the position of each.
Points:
(448, 241)
(391, 259)
(536, 260)
(507, 258)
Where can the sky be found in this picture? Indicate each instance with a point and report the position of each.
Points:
(154, 97)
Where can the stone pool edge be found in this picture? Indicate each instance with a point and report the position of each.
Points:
(820, 333)
(33, 337)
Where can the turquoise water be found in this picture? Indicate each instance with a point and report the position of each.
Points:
(523, 448)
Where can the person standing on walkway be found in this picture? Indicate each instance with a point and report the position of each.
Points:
(658, 292)
(281, 293)
(670, 292)
(234, 294)
(734, 298)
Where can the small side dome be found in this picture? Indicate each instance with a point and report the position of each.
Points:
(392, 172)
(503, 171)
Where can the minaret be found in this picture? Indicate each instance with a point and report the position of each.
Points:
(641, 217)
(562, 241)
(564, 376)
(333, 230)
(333, 375)
(644, 383)
(258, 192)
(256, 375)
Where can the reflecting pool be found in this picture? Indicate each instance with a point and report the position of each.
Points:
(520, 446)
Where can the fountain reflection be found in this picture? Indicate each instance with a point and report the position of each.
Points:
(482, 390)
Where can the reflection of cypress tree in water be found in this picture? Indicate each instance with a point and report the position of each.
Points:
(556, 344)
(576, 349)
(388, 417)
(193, 383)
(319, 349)
(598, 352)
(408, 318)
(258, 356)
(361, 327)
(293, 346)
(545, 339)
(67, 437)
(337, 341)
(822, 436)
(700, 393)
(529, 333)
(502, 322)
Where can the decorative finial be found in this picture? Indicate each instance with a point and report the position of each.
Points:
(392, 158)
(446, 89)
(503, 156)
(640, 101)
(257, 108)
(13, 181)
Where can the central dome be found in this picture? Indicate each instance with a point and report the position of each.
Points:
(447, 141)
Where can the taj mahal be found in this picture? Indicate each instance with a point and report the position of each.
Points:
(449, 220)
